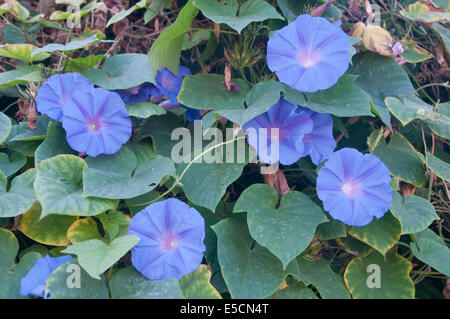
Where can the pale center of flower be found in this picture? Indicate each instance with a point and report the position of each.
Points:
(170, 243)
(93, 126)
(350, 188)
(308, 60)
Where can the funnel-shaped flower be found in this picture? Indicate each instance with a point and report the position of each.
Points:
(35, 280)
(169, 84)
(171, 239)
(291, 125)
(309, 54)
(319, 143)
(57, 90)
(139, 93)
(354, 187)
(96, 121)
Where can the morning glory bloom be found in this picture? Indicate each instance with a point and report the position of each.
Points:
(354, 187)
(96, 122)
(169, 84)
(35, 280)
(53, 95)
(171, 239)
(138, 93)
(292, 127)
(309, 54)
(319, 143)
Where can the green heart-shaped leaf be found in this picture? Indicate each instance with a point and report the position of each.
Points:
(382, 234)
(50, 230)
(96, 257)
(20, 196)
(58, 187)
(249, 270)
(376, 277)
(287, 230)
(415, 214)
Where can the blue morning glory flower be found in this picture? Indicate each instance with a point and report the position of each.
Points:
(354, 187)
(192, 114)
(309, 54)
(169, 84)
(96, 122)
(319, 143)
(138, 93)
(171, 239)
(53, 95)
(292, 126)
(35, 280)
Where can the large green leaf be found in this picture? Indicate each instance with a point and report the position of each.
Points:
(89, 288)
(9, 246)
(58, 187)
(249, 270)
(21, 75)
(415, 213)
(215, 96)
(10, 278)
(5, 127)
(196, 285)
(10, 165)
(380, 77)
(27, 134)
(432, 250)
(50, 230)
(144, 110)
(73, 45)
(382, 234)
(122, 71)
(319, 273)
(259, 99)
(409, 108)
(437, 166)
(236, 17)
(421, 11)
(402, 160)
(128, 283)
(55, 143)
(115, 177)
(21, 51)
(214, 177)
(20, 196)
(285, 229)
(96, 257)
(342, 99)
(395, 283)
(27, 148)
(166, 50)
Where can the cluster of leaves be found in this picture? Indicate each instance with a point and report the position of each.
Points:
(258, 244)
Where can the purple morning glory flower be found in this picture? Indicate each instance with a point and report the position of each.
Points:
(354, 187)
(169, 84)
(319, 143)
(35, 280)
(171, 239)
(96, 121)
(309, 54)
(57, 90)
(292, 126)
(138, 93)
